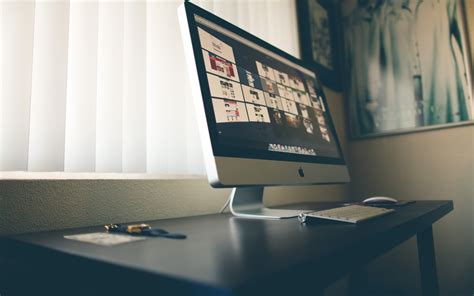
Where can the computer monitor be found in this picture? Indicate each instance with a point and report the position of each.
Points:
(262, 114)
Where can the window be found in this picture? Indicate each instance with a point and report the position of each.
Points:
(99, 86)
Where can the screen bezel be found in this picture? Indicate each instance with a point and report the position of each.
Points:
(218, 150)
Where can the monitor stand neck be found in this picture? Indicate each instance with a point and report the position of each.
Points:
(247, 202)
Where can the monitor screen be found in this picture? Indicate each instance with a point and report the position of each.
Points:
(259, 101)
(261, 113)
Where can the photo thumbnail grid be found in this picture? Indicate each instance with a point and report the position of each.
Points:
(239, 95)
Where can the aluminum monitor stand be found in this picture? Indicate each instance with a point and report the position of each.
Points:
(247, 202)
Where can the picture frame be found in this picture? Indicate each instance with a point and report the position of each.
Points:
(319, 33)
(408, 78)
(468, 15)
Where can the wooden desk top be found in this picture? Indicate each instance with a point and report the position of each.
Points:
(222, 254)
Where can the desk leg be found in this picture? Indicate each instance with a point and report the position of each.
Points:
(427, 261)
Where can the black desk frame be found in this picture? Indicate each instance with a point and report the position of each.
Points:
(222, 255)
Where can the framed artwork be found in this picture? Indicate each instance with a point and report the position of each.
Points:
(319, 39)
(406, 66)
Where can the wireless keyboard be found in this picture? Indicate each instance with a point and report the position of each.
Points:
(351, 214)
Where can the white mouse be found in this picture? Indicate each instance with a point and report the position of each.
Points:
(380, 200)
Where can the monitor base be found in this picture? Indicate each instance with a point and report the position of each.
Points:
(247, 202)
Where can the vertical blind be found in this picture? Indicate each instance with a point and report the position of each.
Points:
(101, 86)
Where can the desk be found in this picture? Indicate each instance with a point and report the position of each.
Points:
(222, 255)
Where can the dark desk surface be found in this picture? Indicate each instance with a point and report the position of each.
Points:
(222, 254)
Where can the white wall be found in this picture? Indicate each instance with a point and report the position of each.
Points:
(432, 165)
(35, 205)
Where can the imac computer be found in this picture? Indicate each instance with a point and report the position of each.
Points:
(262, 114)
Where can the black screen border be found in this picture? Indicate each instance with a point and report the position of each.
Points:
(225, 151)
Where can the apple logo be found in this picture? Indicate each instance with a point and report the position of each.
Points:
(301, 171)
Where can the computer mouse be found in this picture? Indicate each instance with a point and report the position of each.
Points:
(380, 200)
